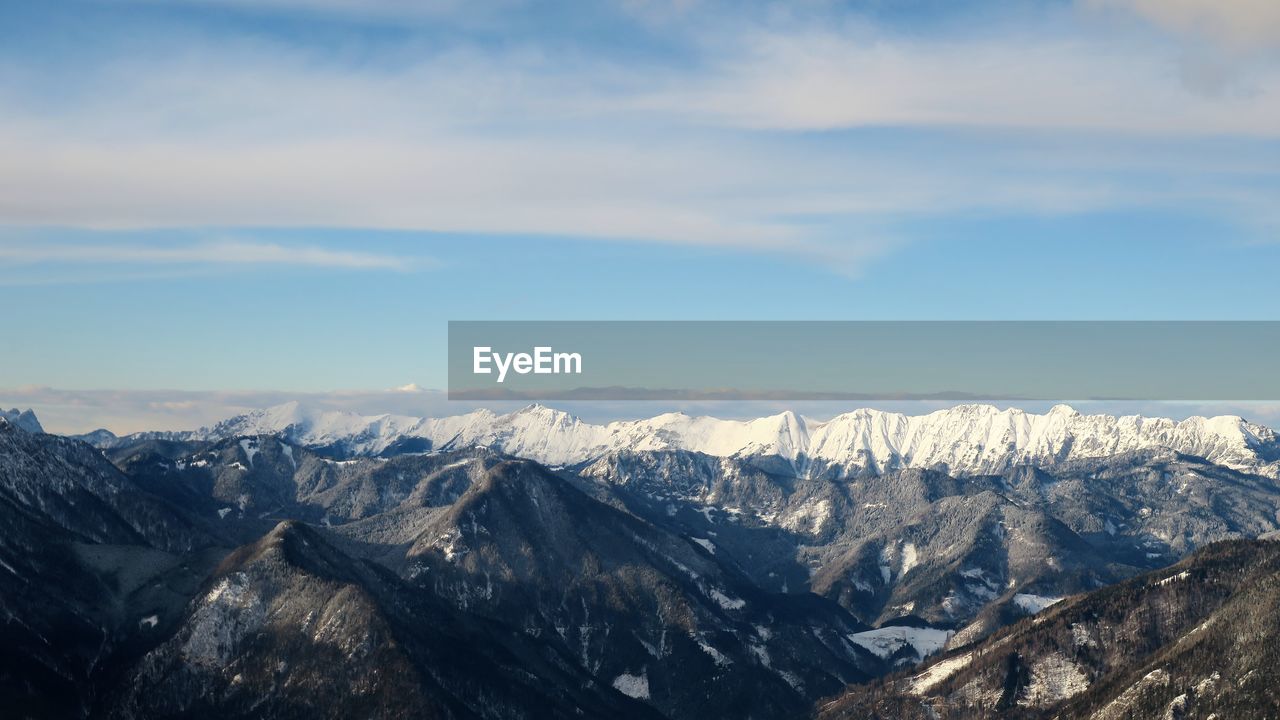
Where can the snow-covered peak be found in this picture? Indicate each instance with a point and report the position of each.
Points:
(965, 439)
(22, 419)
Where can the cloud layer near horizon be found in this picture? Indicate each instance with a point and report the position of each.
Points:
(126, 411)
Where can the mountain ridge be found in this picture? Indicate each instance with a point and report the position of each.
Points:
(964, 439)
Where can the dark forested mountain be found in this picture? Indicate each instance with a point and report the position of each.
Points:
(290, 626)
(1198, 639)
(216, 574)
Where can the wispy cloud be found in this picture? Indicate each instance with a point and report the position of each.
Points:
(223, 252)
(822, 79)
(763, 135)
(1238, 24)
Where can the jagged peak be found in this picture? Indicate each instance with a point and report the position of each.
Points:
(969, 438)
(22, 419)
(297, 545)
(540, 411)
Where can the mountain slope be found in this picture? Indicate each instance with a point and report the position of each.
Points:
(289, 626)
(638, 607)
(67, 515)
(457, 581)
(962, 553)
(1194, 640)
(949, 549)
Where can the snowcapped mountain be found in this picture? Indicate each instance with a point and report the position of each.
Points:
(963, 440)
(22, 419)
(672, 569)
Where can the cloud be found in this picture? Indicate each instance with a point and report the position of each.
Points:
(1237, 24)
(379, 10)
(824, 79)
(226, 252)
(763, 135)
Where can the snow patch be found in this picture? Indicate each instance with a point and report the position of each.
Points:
(811, 517)
(633, 686)
(887, 641)
(720, 658)
(1054, 678)
(250, 448)
(1032, 604)
(726, 602)
(909, 557)
(925, 681)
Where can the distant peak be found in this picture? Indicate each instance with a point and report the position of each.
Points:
(285, 527)
(975, 409)
(540, 410)
(22, 419)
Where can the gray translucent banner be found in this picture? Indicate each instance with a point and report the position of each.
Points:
(783, 360)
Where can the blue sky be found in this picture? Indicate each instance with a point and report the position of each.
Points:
(297, 195)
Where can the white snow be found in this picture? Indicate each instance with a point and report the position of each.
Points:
(1081, 636)
(811, 517)
(925, 681)
(1033, 604)
(1173, 578)
(21, 419)
(1054, 678)
(908, 557)
(761, 653)
(634, 686)
(720, 658)
(886, 560)
(726, 602)
(967, 439)
(250, 448)
(706, 544)
(886, 641)
(458, 464)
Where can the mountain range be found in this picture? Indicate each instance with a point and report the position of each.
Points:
(287, 562)
(965, 440)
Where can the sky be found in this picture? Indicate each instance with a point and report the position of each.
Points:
(293, 197)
